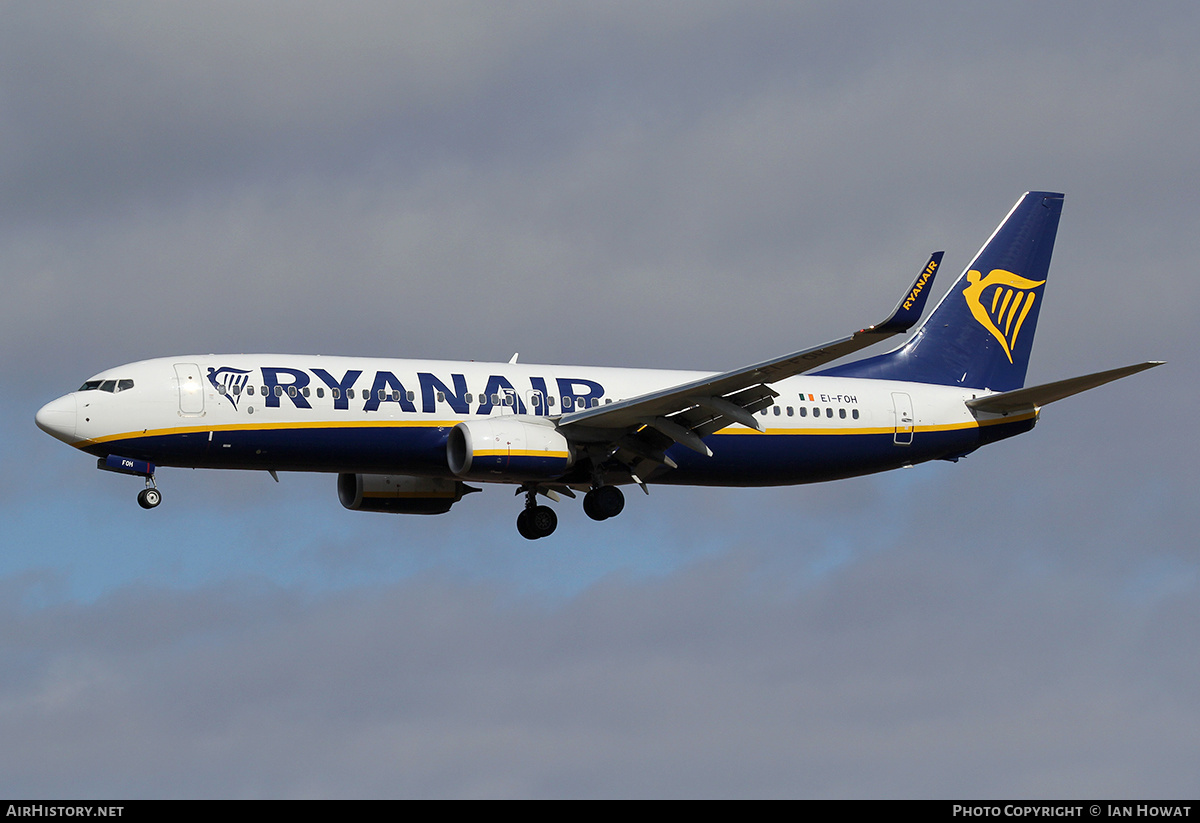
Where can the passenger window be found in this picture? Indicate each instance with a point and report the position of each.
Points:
(777, 412)
(250, 391)
(381, 394)
(279, 391)
(412, 396)
(441, 396)
(350, 394)
(550, 400)
(607, 400)
(854, 413)
(304, 391)
(829, 412)
(291, 391)
(803, 411)
(789, 411)
(320, 391)
(468, 398)
(842, 413)
(237, 389)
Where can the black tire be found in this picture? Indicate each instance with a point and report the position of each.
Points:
(149, 498)
(589, 506)
(603, 502)
(524, 528)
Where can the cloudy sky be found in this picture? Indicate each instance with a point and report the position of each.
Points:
(685, 185)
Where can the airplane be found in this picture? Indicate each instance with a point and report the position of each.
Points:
(408, 436)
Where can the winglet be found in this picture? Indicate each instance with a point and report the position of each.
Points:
(909, 310)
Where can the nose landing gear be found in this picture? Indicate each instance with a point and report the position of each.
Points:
(149, 497)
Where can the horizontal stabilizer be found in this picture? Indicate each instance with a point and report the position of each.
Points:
(1022, 399)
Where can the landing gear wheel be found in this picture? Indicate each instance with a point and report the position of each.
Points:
(542, 520)
(537, 522)
(603, 502)
(149, 498)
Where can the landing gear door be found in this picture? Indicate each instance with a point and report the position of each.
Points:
(904, 418)
(191, 389)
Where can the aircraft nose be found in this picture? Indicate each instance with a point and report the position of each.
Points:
(57, 418)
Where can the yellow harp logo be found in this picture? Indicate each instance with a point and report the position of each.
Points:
(1004, 309)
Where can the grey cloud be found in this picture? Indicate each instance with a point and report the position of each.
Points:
(639, 184)
(726, 686)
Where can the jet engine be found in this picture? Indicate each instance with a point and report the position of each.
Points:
(400, 493)
(509, 449)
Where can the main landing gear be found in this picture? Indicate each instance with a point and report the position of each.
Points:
(603, 502)
(536, 521)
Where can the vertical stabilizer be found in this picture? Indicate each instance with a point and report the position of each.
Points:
(981, 333)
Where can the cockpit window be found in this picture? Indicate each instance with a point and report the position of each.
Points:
(111, 386)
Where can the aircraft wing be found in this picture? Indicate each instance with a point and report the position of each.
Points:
(644, 427)
(1024, 399)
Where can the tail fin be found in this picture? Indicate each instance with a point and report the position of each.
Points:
(981, 333)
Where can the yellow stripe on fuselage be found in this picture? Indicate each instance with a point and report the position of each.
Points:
(962, 424)
(323, 424)
(449, 424)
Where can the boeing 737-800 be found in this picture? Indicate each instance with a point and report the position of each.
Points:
(407, 436)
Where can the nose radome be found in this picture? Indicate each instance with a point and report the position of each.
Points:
(57, 418)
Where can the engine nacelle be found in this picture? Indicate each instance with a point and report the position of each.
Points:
(400, 493)
(508, 448)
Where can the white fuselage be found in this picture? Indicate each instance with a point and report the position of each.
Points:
(343, 414)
